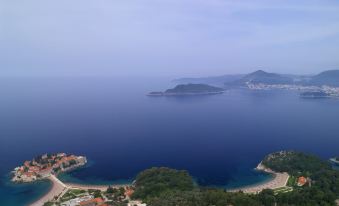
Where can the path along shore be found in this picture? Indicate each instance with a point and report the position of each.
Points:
(279, 180)
(58, 188)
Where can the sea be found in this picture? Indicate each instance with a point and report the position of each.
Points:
(219, 139)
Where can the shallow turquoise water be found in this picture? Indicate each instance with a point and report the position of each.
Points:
(21, 194)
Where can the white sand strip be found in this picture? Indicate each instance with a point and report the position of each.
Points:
(57, 188)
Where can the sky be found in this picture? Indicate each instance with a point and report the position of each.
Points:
(180, 38)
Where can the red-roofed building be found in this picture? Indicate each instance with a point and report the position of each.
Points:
(45, 172)
(93, 202)
(27, 163)
(301, 181)
(33, 169)
(129, 192)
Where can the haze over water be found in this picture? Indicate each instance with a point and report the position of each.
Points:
(219, 139)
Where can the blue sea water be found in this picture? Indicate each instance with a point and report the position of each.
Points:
(219, 139)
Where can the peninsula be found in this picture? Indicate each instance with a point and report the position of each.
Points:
(43, 166)
(189, 89)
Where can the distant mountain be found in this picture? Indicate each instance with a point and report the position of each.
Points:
(264, 78)
(214, 80)
(189, 89)
(329, 78)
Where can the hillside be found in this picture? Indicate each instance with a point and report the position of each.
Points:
(329, 78)
(214, 80)
(262, 77)
(193, 88)
(189, 89)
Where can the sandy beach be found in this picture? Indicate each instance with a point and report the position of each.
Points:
(279, 180)
(57, 188)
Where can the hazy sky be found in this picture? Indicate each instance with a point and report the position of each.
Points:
(167, 37)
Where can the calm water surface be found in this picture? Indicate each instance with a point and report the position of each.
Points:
(217, 138)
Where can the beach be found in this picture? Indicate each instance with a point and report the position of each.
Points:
(57, 188)
(279, 180)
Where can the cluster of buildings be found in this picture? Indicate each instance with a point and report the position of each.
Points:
(45, 165)
(87, 200)
(261, 86)
(93, 202)
(330, 91)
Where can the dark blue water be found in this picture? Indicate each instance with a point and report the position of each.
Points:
(217, 138)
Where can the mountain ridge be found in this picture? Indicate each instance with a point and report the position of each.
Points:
(327, 77)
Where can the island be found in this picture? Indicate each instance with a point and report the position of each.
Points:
(46, 165)
(297, 179)
(315, 94)
(189, 89)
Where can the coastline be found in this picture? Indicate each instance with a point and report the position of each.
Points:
(279, 180)
(57, 188)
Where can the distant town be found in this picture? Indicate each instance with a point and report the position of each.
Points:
(306, 91)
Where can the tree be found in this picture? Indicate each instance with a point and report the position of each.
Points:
(110, 190)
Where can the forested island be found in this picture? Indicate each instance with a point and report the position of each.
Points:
(189, 89)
